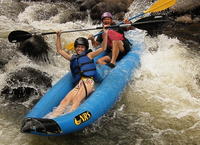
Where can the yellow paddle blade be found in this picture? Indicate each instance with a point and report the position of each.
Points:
(69, 46)
(160, 5)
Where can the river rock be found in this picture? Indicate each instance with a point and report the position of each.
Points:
(25, 83)
(118, 9)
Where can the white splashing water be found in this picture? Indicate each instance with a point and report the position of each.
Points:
(168, 75)
(138, 7)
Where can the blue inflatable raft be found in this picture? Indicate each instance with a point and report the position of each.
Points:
(96, 105)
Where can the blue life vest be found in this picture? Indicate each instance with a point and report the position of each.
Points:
(82, 66)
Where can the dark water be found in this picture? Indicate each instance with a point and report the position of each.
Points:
(160, 106)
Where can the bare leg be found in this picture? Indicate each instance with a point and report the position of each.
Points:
(103, 60)
(75, 96)
(89, 83)
(63, 104)
(79, 97)
(117, 46)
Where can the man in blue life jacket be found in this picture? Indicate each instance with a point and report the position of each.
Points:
(83, 71)
(117, 46)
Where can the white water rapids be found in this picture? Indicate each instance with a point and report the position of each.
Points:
(160, 106)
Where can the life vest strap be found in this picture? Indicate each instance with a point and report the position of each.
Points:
(85, 71)
(86, 93)
(86, 63)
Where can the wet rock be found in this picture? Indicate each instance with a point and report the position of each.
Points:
(117, 9)
(97, 10)
(25, 83)
(78, 16)
(187, 33)
(85, 5)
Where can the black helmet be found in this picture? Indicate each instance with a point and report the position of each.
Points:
(81, 41)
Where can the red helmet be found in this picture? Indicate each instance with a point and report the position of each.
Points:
(106, 15)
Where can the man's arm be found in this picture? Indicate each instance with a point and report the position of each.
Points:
(103, 46)
(94, 42)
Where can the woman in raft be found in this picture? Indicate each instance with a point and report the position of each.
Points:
(83, 71)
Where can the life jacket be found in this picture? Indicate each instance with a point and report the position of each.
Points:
(82, 66)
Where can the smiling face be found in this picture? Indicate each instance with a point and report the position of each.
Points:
(107, 21)
(80, 49)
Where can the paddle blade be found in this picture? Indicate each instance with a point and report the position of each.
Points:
(35, 47)
(18, 36)
(152, 19)
(152, 24)
(160, 5)
(69, 46)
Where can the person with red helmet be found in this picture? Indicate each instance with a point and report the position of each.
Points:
(83, 71)
(117, 46)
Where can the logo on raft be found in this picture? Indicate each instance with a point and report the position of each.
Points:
(83, 117)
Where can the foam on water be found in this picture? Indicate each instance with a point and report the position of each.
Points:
(167, 89)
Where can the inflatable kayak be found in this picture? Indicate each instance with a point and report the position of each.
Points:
(97, 104)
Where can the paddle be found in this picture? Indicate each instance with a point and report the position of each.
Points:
(19, 35)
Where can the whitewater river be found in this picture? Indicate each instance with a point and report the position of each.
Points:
(160, 106)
